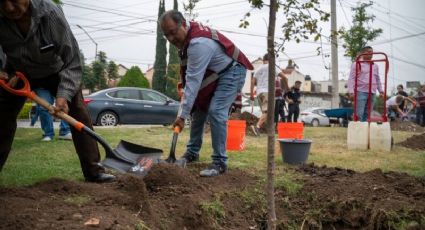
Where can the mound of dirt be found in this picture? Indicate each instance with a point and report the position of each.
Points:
(174, 198)
(168, 176)
(406, 126)
(335, 198)
(415, 142)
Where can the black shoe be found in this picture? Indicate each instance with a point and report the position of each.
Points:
(213, 170)
(101, 178)
(190, 158)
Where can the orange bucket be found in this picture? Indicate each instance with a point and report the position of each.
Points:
(290, 130)
(236, 135)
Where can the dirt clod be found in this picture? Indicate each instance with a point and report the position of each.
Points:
(415, 142)
(406, 126)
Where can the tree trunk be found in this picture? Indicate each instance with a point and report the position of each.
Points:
(271, 219)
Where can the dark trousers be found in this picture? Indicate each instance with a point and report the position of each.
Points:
(86, 147)
(293, 112)
(279, 110)
(419, 115)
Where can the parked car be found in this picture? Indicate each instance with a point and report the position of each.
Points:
(314, 117)
(131, 105)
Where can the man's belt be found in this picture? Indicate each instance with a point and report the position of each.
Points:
(230, 65)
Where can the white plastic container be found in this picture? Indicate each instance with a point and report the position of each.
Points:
(380, 136)
(358, 135)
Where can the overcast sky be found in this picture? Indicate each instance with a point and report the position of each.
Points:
(126, 31)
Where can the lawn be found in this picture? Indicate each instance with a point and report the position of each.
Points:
(32, 160)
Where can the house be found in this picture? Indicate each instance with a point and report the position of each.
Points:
(149, 75)
(122, 70)
(412, 87)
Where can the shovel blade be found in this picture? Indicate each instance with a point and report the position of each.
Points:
(128, 157)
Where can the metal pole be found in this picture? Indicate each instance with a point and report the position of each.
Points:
(334, 54)
(95, 55)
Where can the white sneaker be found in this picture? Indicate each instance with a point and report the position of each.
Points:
(46, 139)
(67, 136)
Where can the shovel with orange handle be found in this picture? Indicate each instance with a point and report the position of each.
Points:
(127, 157)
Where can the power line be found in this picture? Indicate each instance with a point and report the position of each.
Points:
(221, 5)
(399, 38)
(114, 29)
(408, 62)
(110, 12)
(343, 10)
(402, 17)
(106, 9)
(116, 36)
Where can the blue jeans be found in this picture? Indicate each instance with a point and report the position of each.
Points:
(46, 119)
(362, 105)
(35, 116)
(229, 84)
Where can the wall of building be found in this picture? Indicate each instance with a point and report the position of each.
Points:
(149, 75)
(310, 100)
(323, 86)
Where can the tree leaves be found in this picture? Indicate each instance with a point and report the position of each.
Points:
(302, 19)
(134, 78)
(360, 33)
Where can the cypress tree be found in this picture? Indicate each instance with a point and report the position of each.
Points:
(160, 65)
(173, 68)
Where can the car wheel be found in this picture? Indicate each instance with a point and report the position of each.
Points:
(315, 123)
(107, 118)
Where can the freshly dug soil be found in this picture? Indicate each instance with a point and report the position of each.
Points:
(175, 198)
(415, 142)
(406, 126)
(335, 198)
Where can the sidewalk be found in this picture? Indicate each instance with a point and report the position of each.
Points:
(25, 123)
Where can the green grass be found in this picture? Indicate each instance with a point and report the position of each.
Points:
(32, 161)
(78, 200)
(214, 208)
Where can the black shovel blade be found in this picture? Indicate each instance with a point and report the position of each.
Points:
(141, 168)
(134, 152)
(128, 157)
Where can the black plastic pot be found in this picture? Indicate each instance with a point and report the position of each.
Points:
(295, 151)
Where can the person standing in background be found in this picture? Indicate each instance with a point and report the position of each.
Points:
(46, 119)
(363, 95)
(261, 82)
(401, 92)
(420, 98)
(293, 97)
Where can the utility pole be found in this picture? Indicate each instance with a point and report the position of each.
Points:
(334, 56)
(95, 55)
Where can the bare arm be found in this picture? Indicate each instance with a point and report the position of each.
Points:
(413, 101)
(284, 80)
(254, 83)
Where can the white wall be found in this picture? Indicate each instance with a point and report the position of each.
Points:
(315, 100)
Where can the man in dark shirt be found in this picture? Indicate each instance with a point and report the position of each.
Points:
(293, 97)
